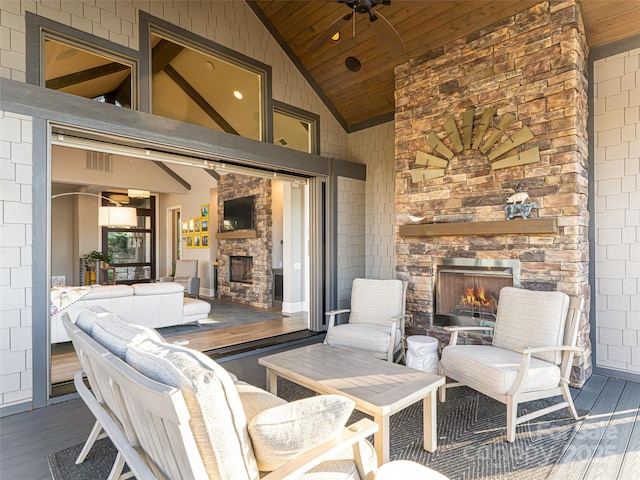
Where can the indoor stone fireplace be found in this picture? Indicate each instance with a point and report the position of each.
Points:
(244, 256)
(500, 112)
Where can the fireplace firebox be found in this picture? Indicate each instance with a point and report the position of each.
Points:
(240, 269)
(466, 291)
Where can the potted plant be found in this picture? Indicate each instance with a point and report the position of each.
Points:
(92, 258)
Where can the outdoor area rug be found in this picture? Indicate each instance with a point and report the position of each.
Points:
(471, 441)
(222, 315)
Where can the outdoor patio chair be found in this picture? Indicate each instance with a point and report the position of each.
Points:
(534, 342)
(186, 274)
(376, 319)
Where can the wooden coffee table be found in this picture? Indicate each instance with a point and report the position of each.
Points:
(378, 388)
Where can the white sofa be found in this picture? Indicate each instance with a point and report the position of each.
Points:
(153, 305)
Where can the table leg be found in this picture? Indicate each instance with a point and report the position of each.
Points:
(429, 414)
(272, 381)
(381, 438)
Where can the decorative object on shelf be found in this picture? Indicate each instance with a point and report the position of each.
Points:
(405, 218)
(512, 210)
(91, 259)
(519, 197)
(117, 216)
(432, 165)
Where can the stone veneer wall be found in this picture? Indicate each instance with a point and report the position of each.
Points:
(532, 65)
(259, 293)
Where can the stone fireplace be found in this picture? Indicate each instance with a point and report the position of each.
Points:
(500, 112)
(466, 291)
(244, 256)
(240, 269)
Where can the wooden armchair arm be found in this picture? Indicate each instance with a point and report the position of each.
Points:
(526, 361)
(455, 330)
(332, 315)
(351, 435)
(558, 348)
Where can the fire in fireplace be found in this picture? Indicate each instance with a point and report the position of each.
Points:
(466, 291)
(240, 269)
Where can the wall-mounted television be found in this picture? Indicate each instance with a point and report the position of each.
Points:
(238, 214)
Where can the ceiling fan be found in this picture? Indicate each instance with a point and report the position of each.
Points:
(381, 26)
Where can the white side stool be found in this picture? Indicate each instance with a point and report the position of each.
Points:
(422, 353)
(407, 470)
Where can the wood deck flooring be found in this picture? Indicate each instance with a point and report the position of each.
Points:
(606, 446)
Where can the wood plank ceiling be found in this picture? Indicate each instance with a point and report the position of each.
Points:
(366, 97)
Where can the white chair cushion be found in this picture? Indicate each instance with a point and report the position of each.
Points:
(281, 433)
(87, 318)
(497, 368)
(256, 400)
(528, 318)
(217, 418)
(371, 337)
(116, 334)
(376, 301)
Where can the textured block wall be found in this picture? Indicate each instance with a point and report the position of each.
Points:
(259, 293)
(617, 210)
(375, 148)
(15, 258)
(531, 66)
(350, 247)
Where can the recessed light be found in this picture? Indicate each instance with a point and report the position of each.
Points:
(353, 64)
(209, 65)
(237, 94)
(336, 37)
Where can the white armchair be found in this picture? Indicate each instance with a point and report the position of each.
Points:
(186, 274)
(376, 319)
(534, 343)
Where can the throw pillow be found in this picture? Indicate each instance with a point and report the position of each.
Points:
(116, 334)
(88, 316)
(282, 433)
(217, 420)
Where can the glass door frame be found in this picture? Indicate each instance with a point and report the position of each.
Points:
(141, 212)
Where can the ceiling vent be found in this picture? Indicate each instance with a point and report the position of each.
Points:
(98, 161)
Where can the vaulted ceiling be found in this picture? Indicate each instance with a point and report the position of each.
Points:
(366, 97)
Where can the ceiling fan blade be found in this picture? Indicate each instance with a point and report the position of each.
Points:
(328, 32)
(389, 36)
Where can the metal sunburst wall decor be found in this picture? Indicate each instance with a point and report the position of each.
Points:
(433, 165)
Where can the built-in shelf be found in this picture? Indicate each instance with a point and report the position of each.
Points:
(531, 226)
(238, 234)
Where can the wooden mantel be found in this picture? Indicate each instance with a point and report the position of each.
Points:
(237, 234)
(531, 226)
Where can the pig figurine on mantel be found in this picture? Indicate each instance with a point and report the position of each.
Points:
(519, 197)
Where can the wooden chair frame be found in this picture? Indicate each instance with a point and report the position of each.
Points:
(516, 395)
(148, 422)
